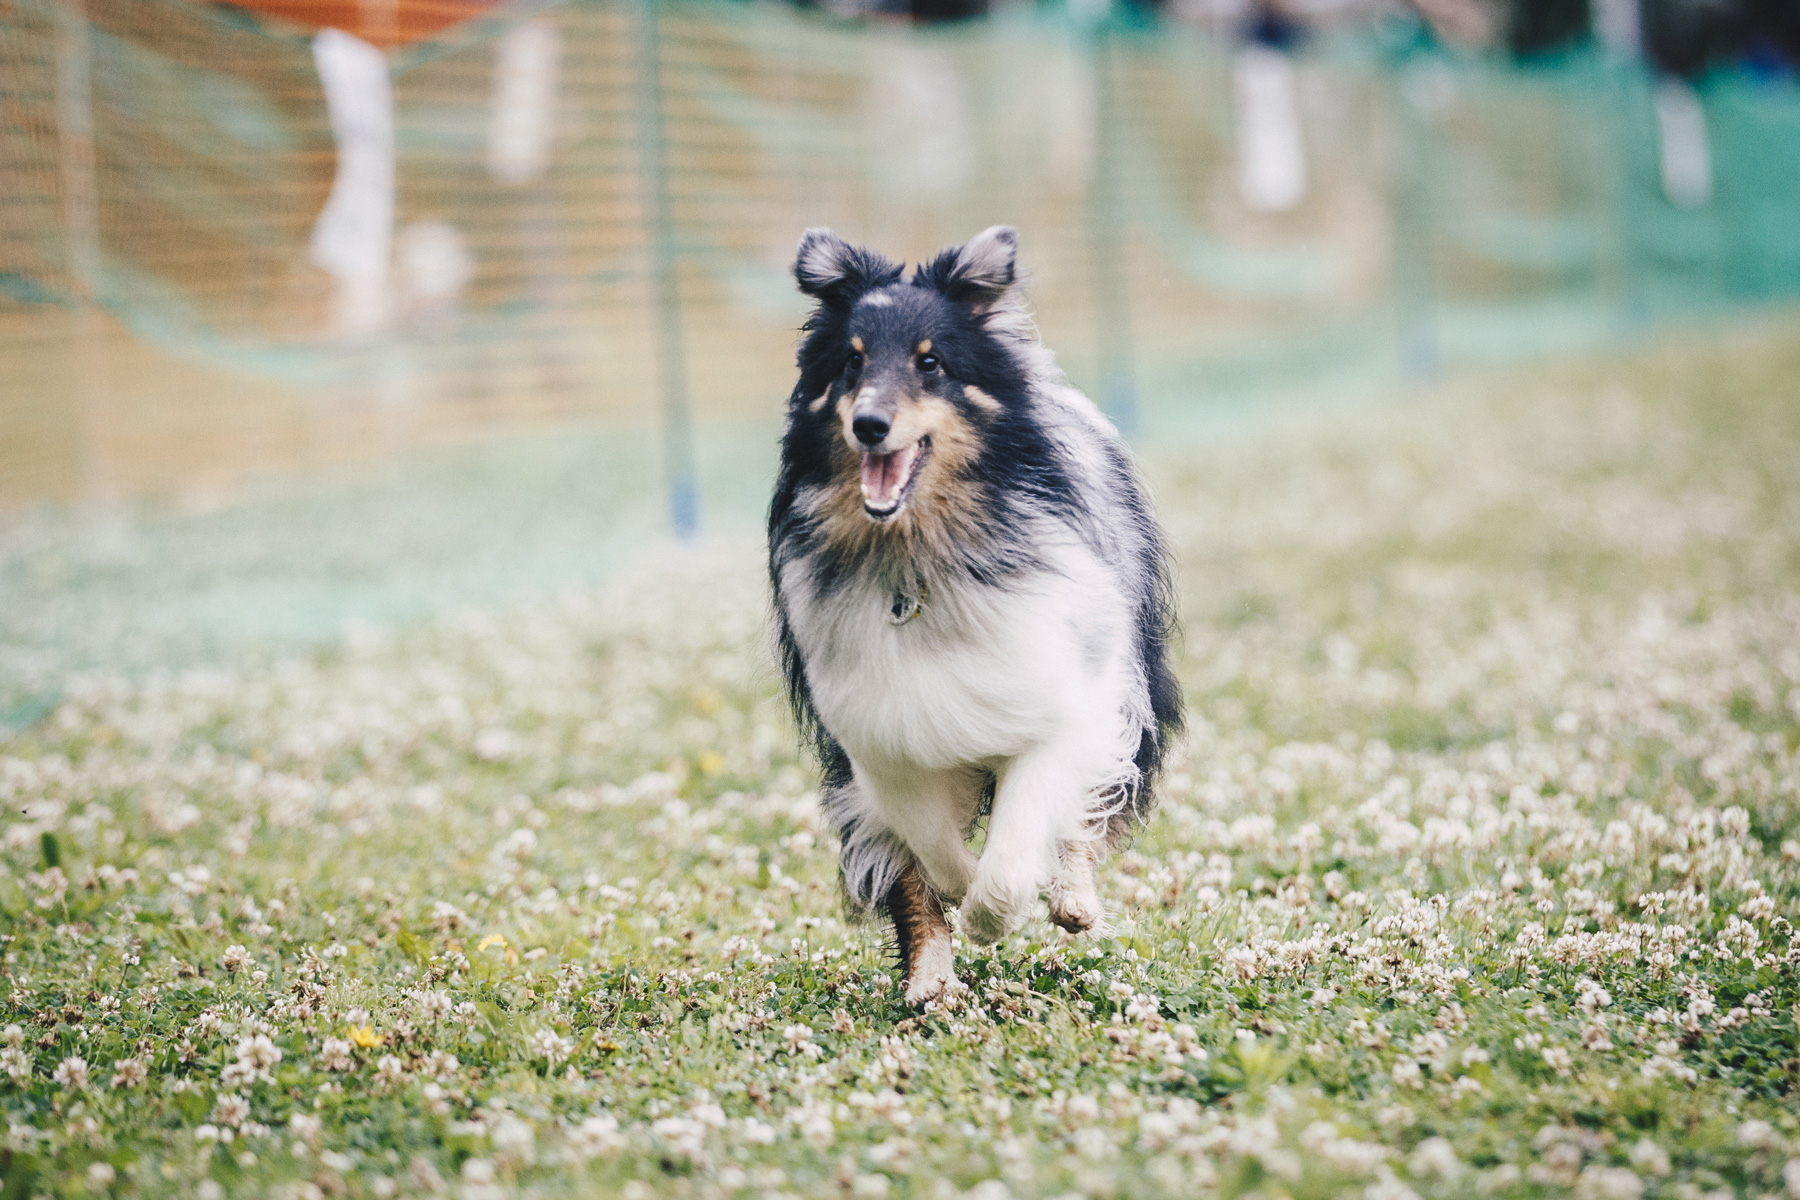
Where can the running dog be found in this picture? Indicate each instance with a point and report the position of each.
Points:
(972, 603)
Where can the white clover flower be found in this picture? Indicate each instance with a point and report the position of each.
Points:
(1388, 1188)
(72, 1073)
(799, 1041)
(1407, 1074)
(887, 1104)
(236, 959)
(1759, 1134)
(258, 1052)
(681, 1136)
(1435, 1156)
(306, 1127)
(550, 1046)
(15, 1063)
(231, 1110)
(513, 1140)
(1143, 1008)
(237, 1075)
(1557, 1059)
(128, 1073)
(389, 1070)
(447, 918)
(1081, 1109)
(1599, 1182)
(435, 1005)
(1758, 908)
(597, 1136)
(334, 1054)
(813, 1121)
(13, 1035)
(1649, 1158)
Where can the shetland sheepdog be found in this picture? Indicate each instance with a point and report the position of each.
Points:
(972, 600)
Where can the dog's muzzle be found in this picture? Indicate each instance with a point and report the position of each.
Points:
(887, 479)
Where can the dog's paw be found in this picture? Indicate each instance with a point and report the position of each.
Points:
(992, 912)
(1076, 909)
(982, 925)
(923, 989)
(933, 974)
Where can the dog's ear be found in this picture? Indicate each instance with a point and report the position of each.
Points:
(978, 272)
(835, 272)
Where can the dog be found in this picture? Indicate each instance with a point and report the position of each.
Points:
(972, 601)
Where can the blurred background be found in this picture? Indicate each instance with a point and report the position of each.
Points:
(322, 312)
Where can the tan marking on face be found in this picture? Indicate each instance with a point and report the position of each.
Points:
(818, 404)
(980, 399)
(940, 516)
(925, 346)
(856, 344)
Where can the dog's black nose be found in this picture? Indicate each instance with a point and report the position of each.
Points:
(870, 429)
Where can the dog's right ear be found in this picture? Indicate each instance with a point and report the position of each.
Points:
(835, 272)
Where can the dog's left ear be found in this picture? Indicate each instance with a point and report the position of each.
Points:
(834, 272)
(978, 272)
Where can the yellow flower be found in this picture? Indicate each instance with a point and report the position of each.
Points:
(494, 939)
(711, 762)
(366, 1037)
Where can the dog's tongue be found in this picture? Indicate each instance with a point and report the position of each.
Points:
(884, 476)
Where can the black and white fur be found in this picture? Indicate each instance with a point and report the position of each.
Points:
(972, 599)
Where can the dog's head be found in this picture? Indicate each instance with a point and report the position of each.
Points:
(903, 382)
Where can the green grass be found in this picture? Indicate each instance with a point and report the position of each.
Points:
(1474, 876)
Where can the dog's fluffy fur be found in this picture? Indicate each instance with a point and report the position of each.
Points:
(972, 599)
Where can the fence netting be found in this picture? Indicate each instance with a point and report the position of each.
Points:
(229, 244)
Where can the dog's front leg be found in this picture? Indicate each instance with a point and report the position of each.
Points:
(1034, 796)
(924, 937)
(1074, 898)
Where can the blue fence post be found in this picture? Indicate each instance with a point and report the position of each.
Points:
(1106, 233)
(665, 280)
(1415, 290)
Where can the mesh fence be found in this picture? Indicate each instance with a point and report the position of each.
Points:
(165, 323)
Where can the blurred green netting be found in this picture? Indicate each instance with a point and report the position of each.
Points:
(164, 328)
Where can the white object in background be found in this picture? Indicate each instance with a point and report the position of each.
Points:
(353, 237)
(1065, 96)
(522, 122)
(920, 115)
(1088, 14)
(435, 267)
(1686, 153)
(1271, 156)
(1620, 29)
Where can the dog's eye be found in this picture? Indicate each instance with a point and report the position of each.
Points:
(856, 361)
(928, 363)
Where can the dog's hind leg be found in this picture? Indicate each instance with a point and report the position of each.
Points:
(1074, 900)
(924, 937)
(928, 811)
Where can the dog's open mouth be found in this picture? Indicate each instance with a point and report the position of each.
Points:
(887, 479)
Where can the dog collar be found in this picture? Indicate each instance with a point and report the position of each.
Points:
(907, 607)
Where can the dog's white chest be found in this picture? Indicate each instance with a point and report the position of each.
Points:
(968, 678)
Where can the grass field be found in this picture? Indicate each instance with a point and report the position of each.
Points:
(1474, 877)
